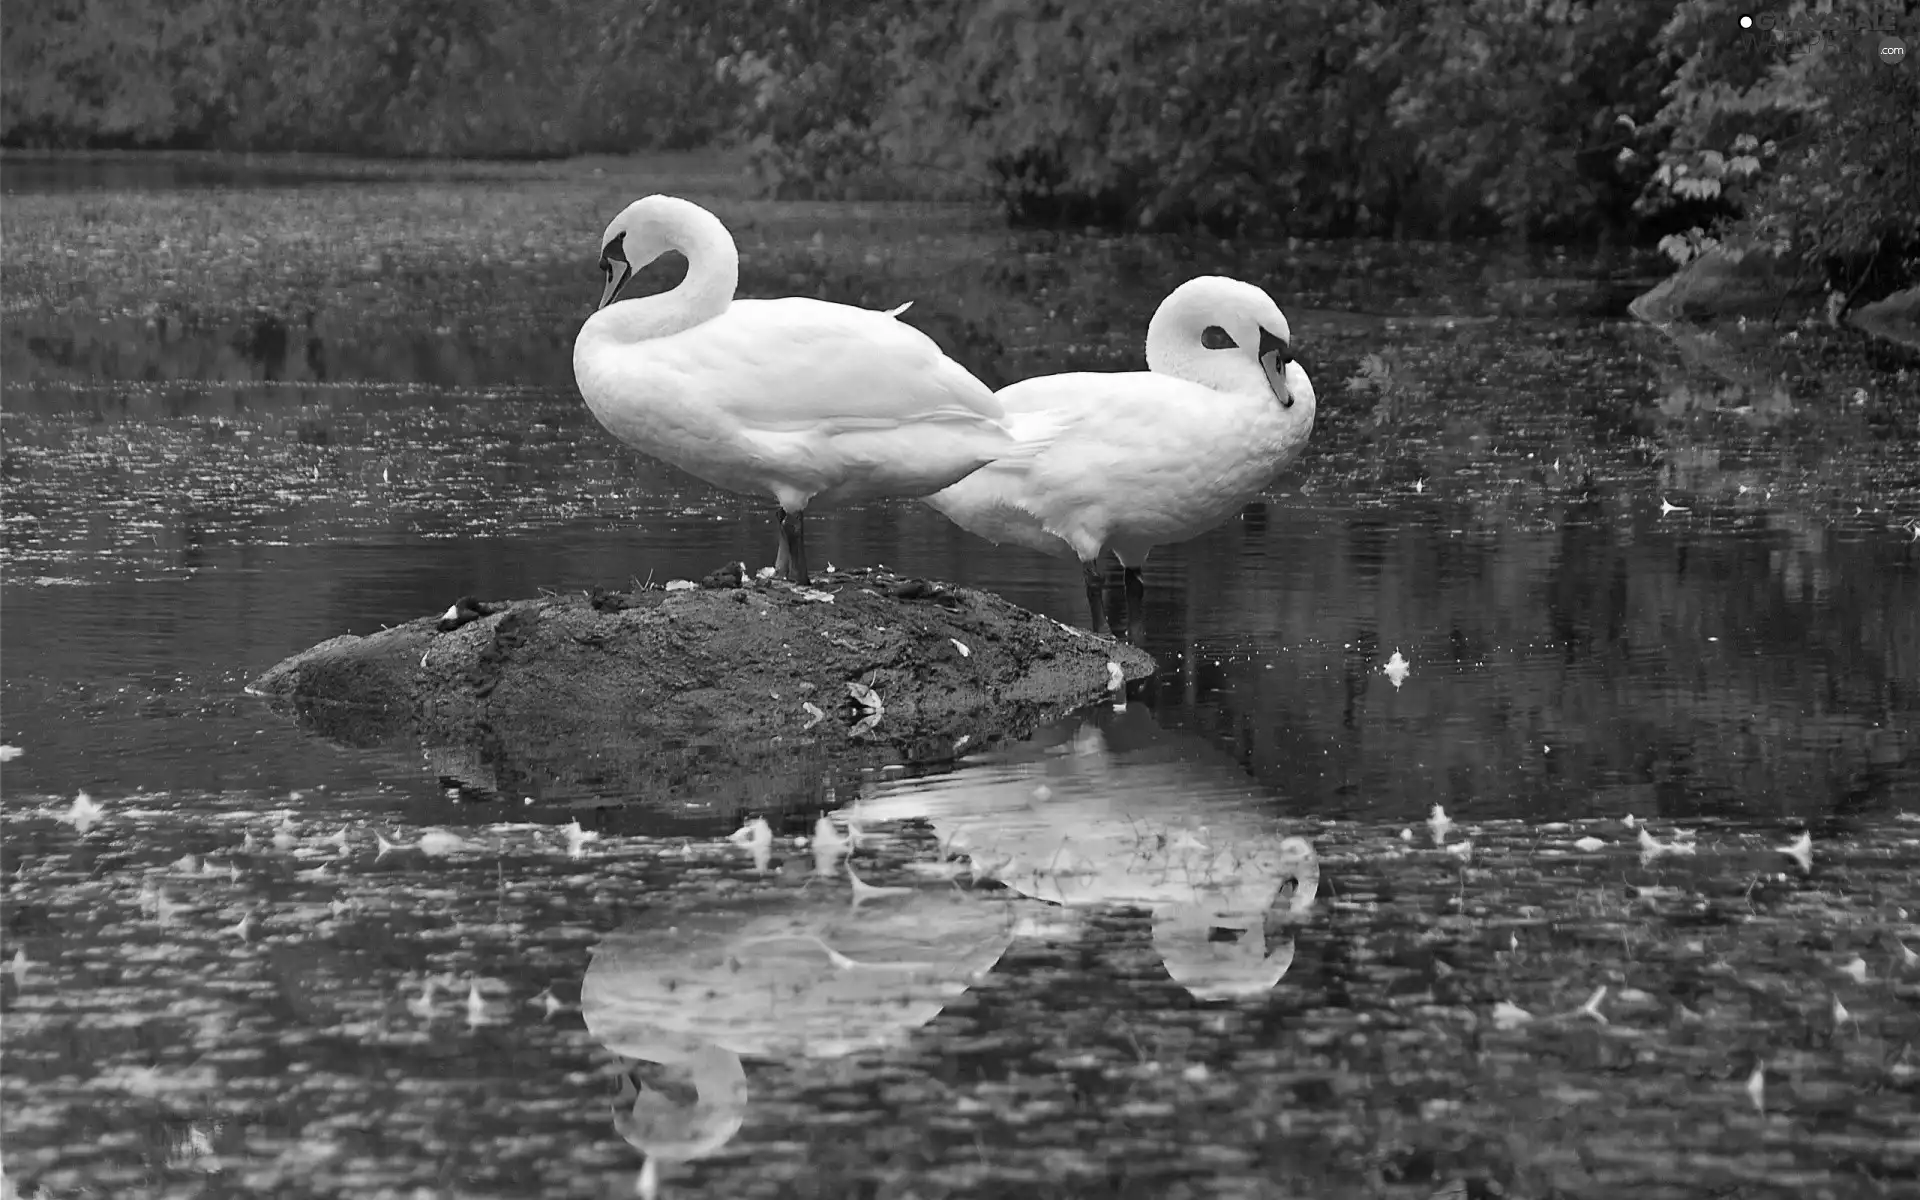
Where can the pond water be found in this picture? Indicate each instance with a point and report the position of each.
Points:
(1657, 623)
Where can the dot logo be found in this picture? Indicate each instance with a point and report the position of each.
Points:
(1892, 51)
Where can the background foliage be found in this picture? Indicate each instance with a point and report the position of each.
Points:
(411, 77)
(1542, 119)
(1800, 145)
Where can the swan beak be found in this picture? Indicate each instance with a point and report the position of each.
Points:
(1276, 354)
(615, 281)
(615, 254)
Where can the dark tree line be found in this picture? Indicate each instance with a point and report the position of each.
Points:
(1543, 119)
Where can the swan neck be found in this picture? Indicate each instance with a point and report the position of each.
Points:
(1165, 353)
(1173, 346)
(713, 275)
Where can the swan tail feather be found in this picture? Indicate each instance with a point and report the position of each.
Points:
(894, 312)
(987, 503)
(995, 503)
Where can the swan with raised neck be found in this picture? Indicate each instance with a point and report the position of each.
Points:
(795, 399)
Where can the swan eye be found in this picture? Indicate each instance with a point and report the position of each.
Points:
(616, 251)
(1215, 338)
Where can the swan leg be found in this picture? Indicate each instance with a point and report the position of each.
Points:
(793, 537)
(782, 561)
(1136, 604)
(1096, 593)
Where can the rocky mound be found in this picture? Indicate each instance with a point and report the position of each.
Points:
(1719, 287)
(734, 693)
(1895, 318)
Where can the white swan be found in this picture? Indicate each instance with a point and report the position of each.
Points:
(1141, 459)
(796, 399)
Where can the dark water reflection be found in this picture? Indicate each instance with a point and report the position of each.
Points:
(241, 419)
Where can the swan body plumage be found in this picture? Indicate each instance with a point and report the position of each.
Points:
(1138, 459)
(799, 400)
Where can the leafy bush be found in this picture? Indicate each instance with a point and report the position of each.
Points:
(123, 71)
(1318, 116)
(435, 77)
(1126, 112)
(819, 83)
(1547, 118)
(1518, 110)
(1804, 146)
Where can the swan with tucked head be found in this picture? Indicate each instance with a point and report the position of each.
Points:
(799, 400)
(1147, 458)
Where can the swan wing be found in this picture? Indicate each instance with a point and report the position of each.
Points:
(795, 364)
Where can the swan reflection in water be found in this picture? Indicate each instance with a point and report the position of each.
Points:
(1103, 809)
(785, 974)
(1107, 808)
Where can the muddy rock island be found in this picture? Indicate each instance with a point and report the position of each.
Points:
(731, 693)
